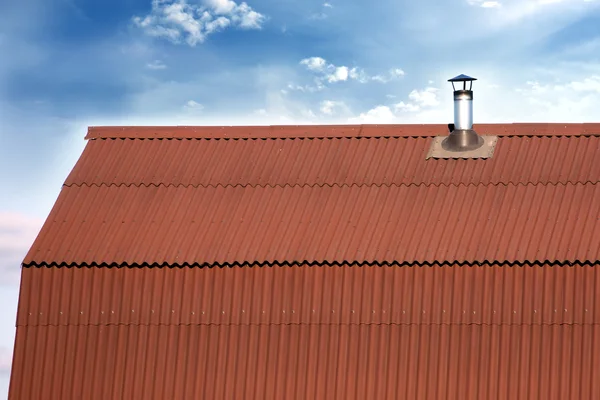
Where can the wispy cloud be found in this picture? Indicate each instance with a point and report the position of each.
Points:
(17, 233)
(333, 107)
(507, 12)
(485, 3)
(193, 106)
(156, 64)
(5, 359)
(378, 115)
(323, 13)
(394, 73)
(176, 20)
(330, 73)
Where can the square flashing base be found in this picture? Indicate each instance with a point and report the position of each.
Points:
(436, 150)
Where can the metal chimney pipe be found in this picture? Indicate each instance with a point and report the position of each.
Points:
(462, 136)
(463, 109)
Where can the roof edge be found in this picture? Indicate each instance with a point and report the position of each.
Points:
(334, 131)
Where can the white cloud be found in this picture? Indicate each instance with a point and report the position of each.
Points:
(589, 84)
(331, 73)
(378, 115)
(490, 4)
(572, 101)
(327, 5)
(486, 3)
(338, 74)
(397, 73)
(419, 100)
(314, 63)
(156, 64)
(331, 107)
(221, 6)
(176, 19)
(359, 75)
(427, 97)
(510, 11)
(192, 105)
(394, 73)
(248, 18)
(407, 107)
(17, 233)
(217, 24)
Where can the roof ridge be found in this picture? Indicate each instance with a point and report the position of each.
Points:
(323, 185)
(574, 135)
(336, 131)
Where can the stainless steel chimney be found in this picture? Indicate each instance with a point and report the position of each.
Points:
(462, 136)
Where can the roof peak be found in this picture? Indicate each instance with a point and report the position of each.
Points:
(334, 131)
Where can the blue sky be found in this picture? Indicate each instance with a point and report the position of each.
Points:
(68, 64)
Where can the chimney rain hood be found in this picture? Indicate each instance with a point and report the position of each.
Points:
(462, 141)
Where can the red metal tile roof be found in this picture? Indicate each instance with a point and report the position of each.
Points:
(303, 294)
(473, 332)
(424, 224)
(361, 222)
(338, 161)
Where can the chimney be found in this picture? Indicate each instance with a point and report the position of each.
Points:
(462, 137)
(462, 142)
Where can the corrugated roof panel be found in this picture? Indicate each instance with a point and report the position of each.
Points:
(531, 335)
(309, 361)
(179, 225)
(346, 161)
(347, 294)
(321, 131)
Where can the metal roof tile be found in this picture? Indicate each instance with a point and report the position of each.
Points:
(329, 294)
(425, 224)
(279, 162)
(324, 332)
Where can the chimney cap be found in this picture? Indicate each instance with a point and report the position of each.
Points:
(462, 78)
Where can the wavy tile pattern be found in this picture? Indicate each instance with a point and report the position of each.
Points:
(345, 161)
(302, 294)
(423, 224)
(323, 357)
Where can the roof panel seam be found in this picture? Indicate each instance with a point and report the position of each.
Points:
(334, 185)
(320, 323)
(322, 263)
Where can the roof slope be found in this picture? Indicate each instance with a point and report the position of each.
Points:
(280, 332)
(224, 225)
(332, 162)
(375, 198)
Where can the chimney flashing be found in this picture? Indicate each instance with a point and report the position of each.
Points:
(463, 141)
(437, 149)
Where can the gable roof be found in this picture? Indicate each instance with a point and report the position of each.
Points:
(316, 262)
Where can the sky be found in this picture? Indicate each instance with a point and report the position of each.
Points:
(69, 64)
